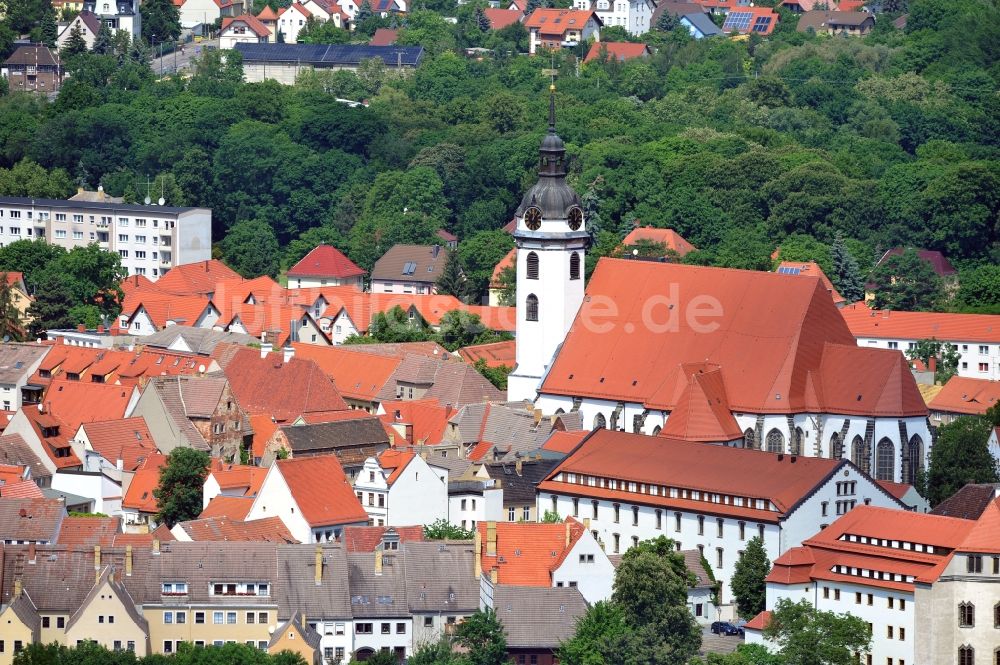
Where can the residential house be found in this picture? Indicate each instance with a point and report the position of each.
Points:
(619, 51)
(537, 621)
(500, 19)
(976, 337)
(21, 625)
(32, 68)
(19, 297)
(291, 20)
(474, 501)
(246, 29)
(633, 15)
(359, 377)
(117, 15)
(384, 37)
(198, 341)
(328, 10)
(88, 530)
(409, 269)
(222, 528)
(811, 269)
(383, 8)
(371, 538)
(494, 354)
(299, 638)
(108, 602)
(553, 29)
(203, 413)
(235, 480)
(150, 239)
(197, 278)
(418, 423)
(379, 604)
(907, 495)
(962, 396)
(198, 12)
(970, 502)
(696, 18)
(854, 24)
(351, 440)
(312, 496)
(284, 62)
(712, 498)
(399, 487)
(269, 17)
(900, 573)
(700, 25)
(497, 285)
(519, 481)
(30, 521)
(18, 362)
(674, 244)
(939, 262)
(15, 451)
(442, 588)
(140, 511)
(326, 265)
(745, 20)
(560, 554)
(701, 595)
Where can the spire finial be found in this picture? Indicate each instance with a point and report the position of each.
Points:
(552, 108)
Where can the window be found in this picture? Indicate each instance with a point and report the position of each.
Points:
(836, 446)
(576, 507)
(871, 599)
(526, 513)
(914, 460)
(428, 622)
(635, 515)
(400, 628)
(574, 265)
(386, 628)
(594, 505)
(857, 597)
(60, 233)
(363, 629)
(974, 563)
(617, 542)
(888, 632)
(775, 441)
(599, 421)
(718, 526)
(199, 617)
(168, 617)
(701, 525)
(510, 514)
(885, 460)
(860, 454)
(659, 519)
(217, 618)
(532, 265)
(966, 655)
(718, 557)
(531, 307)
(617, 512)
(983, 349)
(966, 615)
(902, 634)
(677, 522)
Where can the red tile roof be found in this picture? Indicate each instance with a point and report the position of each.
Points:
(984, 537)
(781, 344)
(755, 13)
(898, 490)
(889, 324)
(126, 439)
(78, 402)
(501, 18)
(267, 14)
(667, 237)
(232, 507)
(810, 269)
(21, 489)
(222, 528)
(326, 261)
(162, 308)
(616, 51)
(356, 375)
(263, 428)
(528, 552)
(240, 477)
(195, 278)
(558, 21)
(507, 261)
(395, 462)
(564, 442)
(272, 387)
(78, 531)
(783, 480)
(11, 473)
(496, 354)
(702, 412)
(139, 495)
(322, 491)
(759, 622)
(964, 395)
(160, 533)
(250, 21)
(938, 261)
(384, 37)
(367, 538)
(425, 420)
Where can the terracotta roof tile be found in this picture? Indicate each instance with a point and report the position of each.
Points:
(367, 538)
(508, 261)
(496, 354)
(667, 237)
(898, 490)
(384, 37)
(78, 531)
(356, 375)
(810, 269)
(326, 261)
(250, 21)
(501, 18)
(759, 622)
(984, 537)
(619, 51)
(195, 278)
(139, 495)
(263, 428)
(967, 396)
(702, 412)
(558, 21)
(21, 489)
(527, 552)
(945, 326)
(238, 477)
(232, 507)
(395, 462)
(268, 530)
(15, 450)
(564, 442)
(31, 519)
(126, 439)
(322, 491)
(425, 420)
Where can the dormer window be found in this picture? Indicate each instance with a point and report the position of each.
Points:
(48, 432)
(240, 589)
(174, 588)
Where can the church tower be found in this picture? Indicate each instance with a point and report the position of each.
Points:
(551, 243)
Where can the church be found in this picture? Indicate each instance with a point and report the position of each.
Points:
(716, 355)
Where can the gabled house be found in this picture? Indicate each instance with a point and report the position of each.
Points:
(237, 480)
(33, 68)
(821, 21)
(18, 362)
(700, 25)
(246, 29)
(537, 621)
(21, 624)
(291, 20)
(745, 20)
(399, 488)
(409, 269)
(328, 10)
(109, 603)
(962, 396)
(553, 29)
(325, 265)
(633, 15)
(673, 243)
(312, 496)
(89, 26)
(30, 521)
(500, 19)
(139, 509)
(351, 440)
(619, 51)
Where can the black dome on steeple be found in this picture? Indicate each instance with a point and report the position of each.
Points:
(551, 194)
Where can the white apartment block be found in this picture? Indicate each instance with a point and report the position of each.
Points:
(633, 15)
(150, 239)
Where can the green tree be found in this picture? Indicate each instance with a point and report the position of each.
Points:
(482, 21)
(442, 529)
(945, 355)
(30, 258)
(667, 21)
(162, 19)
(95, 277)
(435, 653)
(51, 307)
(251, 248)
(907, 282)
(451, 281)
(979, 289)
(806, 636)
(11, 326)
(480, 254)
(752, 568)
(178, 495)
(597, 632)
(846, 275)
(380, 658)
(508, 286)
(482, 635)
(49, 30)
(459, 328)
(803, 247)
(104, 41)
(495, 375)
(76, 44)
(960, 456)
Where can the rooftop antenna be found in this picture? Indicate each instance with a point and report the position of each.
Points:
(161, 200)
(147, 199)
(552, 96)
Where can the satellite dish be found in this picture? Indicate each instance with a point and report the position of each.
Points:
(160, 201)
(201, 369)
(147, 200)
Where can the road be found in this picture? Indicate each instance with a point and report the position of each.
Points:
(712, 643)
(180, 61)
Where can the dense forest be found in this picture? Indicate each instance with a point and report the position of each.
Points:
(741, 146)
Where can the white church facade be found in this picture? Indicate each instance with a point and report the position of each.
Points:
(789, 376)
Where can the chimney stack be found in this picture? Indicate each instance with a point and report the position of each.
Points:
(288, 352)
(97, 557)
(491, 539)
(518, 466)
(156, 547)
(537, 415)
(265, 349)
(17, 590)
(31, 553)
(568, 534)
(378, 560)
(493, 575)
(932, 366)
(319, 566)
(586, 523)
(478, 544)
(128, 561)
(81, 328)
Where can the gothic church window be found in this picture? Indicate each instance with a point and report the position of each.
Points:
(532, 264)
(775, 442)
(531, 307)
(574, 265)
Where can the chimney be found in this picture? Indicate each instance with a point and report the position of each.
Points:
(435, 250)
(392, 439)
(518, 466)
(135, 280)
(97, 557)
(478, 539)
(586, 523)
(100, 330)
(156, 547)
(17, 590)
(318, 576)
(288, 352)
(31, 553)
(538, 416)
(120, 464)
(81, 328)
(932, 366)
(409, 433)
(265, 349)
(568, 534)
(128, 561)
(491, 539)
(206, 266)
(378, 560)
(100, 193)
(493, 575)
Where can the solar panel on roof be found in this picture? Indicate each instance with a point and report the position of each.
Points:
(738, 21)
(787, 270)
(762, 24)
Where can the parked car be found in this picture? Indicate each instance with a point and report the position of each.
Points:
(726, 628)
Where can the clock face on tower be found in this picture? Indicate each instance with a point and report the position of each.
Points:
(533, 218)
(575, 218)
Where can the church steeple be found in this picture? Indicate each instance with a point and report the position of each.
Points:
(552, 159)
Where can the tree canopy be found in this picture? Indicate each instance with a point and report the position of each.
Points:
(960, 456)
(179, 492)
